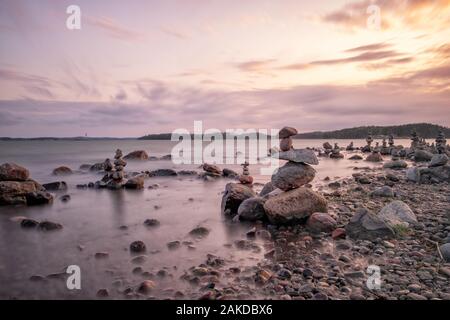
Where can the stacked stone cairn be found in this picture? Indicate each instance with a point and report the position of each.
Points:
(369, 140)
(441, 143)
(245, 177)
(114, 177)
(385, 150)
(350, 147)
(336, 152)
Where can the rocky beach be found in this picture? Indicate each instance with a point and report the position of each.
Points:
(309, 231)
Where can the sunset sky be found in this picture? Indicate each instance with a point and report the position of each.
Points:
(139, 67)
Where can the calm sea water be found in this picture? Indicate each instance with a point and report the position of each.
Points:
(92, 220)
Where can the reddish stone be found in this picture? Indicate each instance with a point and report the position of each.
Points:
(338, 233)
(245, 179)
(286, 144)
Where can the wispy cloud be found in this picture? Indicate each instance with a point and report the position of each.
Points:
(113, 28)
(173, 33)
(255, 65)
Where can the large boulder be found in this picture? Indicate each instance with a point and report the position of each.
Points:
(438, 160)
(235, 194)
(252, 209)
(422, 156)
(137, 155)
(396, 165)
(294, 205)
(163, 173)
(23, 192)
(398, 213)
(210, 168)
(298, 155)
(13, 172)
(435, 174)
(229, 173)
(366, 225)
(321, 222)
(413, 174)
(292, 175)
(374, 157)
(63, 170)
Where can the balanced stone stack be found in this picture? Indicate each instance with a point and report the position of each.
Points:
(245, 177)
(16, 187)
(350, 147)
(369, 140)
(385, 150)
(336, 152)
(441, 143)
(117, 180)
(294, 201)
(415, 140)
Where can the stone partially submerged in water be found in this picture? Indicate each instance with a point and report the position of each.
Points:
(13, 172)
(235, 194)
(292, 175)
(137, 155)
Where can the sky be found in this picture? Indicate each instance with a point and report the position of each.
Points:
(139, 67)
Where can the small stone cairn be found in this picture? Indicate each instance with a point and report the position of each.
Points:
(369, 140)
(336, 152)
(245, 177)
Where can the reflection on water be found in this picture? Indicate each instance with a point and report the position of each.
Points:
(92, 220)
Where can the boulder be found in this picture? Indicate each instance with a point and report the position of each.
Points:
(137, 155)
(163, 173)
(39, 197)
(287, 132)
(166, 157)
(135, 183)
(199, 232)
(374, 157)
(229, 173)
(384, 191)
(435, 174)
(321, 222)
(395, 165)
(397, 213)
(13, 172)
(212, 169)
(298, 155)
(355, 157)
(292, 175)
(16, 192)
(97, 166)
(336, 155)
(268, 188)
(49, 226)
(366, 225)
(438, 160)
(85, 166)
(422, 156)
(55, 186)
(252, 209)
(413, 174)
(294, 205)
(235, 194)
(63, 170)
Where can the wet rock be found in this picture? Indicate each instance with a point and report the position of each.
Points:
(187, 173)
(85, 166)
(422, 156)
(327, 146)
(268, 188)
(252, 209)
(146, 287)
(338, 233)
(287, 132)
(137, 247)
(294, 205)
(212, 169)
(355, 157)
(55, 186)
(398, 213)
(137, 155)
(374, 157)
(292, 175)
(29, 223)
(384, 191)
(321, 222)
(163, 173)
(305, 156)
(397, 164)
(151, 223)
(139, 259)
(61, 171)
(101, 255)
(172, 245)
(98, 166)
(438, 160)
(166, 157)
(49, 226)
(15, 192)
(38, 198)
(413, 174)
(102, 293)
(65, 198)
(229, 173)
(199, 232)
(135, 183)
(286, 144)
(13, 172)
(234, 195)
(366, 225)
